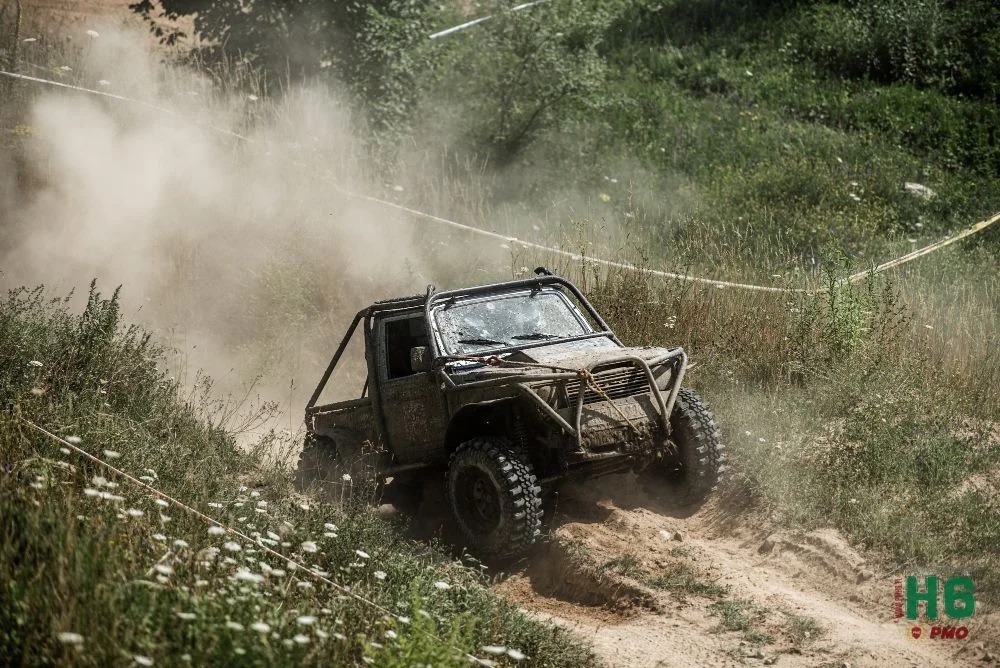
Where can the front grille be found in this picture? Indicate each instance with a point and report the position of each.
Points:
(616, 384)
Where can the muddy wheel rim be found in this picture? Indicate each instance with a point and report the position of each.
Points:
(480, 507)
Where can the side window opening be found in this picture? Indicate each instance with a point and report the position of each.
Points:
(400, 336)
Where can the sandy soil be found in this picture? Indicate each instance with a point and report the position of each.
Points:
(788, 576)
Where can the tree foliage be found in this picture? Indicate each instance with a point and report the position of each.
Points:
(373, 47)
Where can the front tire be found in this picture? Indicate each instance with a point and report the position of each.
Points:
(696, 462)
(494, 496)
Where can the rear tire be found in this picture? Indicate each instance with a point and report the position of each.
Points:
(696, 463)
(494, 497)
(340, 467)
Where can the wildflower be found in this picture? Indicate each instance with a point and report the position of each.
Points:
(262, 504)
(246, 576)
(111, 454)
(306, 620)
(216, 531)
(252, 97)
(376, 645)
(201, 583)
(213, 504)
(380, 575)
(260, 627)
(403, 619)
(135, 512)
(442, 585)
(186, 658)
(391, 635)
(330, 527)
(346, 477)
(362, 554)
(309, 546)
(186, 616)
(273, 536)
(301, 639)
(493, 649)
(65, 451)
(239, 650)
(340, 636)
(304, 585)
(103, 82)
(65, 68)
(147, 478)
(88, 491)
(95, 35)
(163, 569)
(278, 572)
(321, 634)
(604, 197)
(162, 503)
(235, 626)
(68, 637)
(516, 654)
(329, 534)
(28, 40)
(36, 363)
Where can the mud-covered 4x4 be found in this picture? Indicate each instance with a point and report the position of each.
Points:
(509, 389)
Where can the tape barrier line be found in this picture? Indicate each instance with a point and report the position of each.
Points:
(481, 19)
(578, 257)
(122, 98)
(256, 543)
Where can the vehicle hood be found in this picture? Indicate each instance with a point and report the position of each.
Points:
(579, 354)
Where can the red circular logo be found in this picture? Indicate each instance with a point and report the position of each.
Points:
(915, 631)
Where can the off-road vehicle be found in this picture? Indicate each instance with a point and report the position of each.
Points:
(508, 390)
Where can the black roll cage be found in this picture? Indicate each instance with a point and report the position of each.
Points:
(432, 297)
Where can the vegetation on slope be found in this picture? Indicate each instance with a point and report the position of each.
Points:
(97, 571)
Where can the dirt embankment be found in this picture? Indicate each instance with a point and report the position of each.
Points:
(653, 585)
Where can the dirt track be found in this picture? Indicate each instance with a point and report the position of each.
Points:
(791, 579)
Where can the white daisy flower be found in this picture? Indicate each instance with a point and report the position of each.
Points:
(301, 639)
(306, 620)
(309, 546)
(215, 531)
(442, 585)
(260, 627)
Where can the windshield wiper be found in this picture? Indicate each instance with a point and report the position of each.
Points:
(482, 342)
(535, 336)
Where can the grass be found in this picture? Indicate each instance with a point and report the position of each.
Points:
(161, 586)
(743, 616)
(683, 580)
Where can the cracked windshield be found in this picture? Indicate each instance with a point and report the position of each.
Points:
(510, 320)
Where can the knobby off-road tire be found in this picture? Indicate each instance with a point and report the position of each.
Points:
(325, 461)
(697, 464)
(494, 497)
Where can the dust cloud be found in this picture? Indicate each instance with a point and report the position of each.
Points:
(240, 254)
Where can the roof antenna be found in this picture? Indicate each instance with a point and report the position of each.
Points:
(542, 271)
